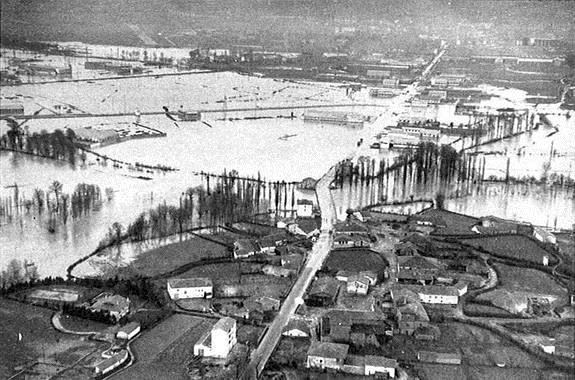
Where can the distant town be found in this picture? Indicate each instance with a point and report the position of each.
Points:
(287, 190)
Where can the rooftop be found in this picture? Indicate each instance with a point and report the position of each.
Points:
(328, 350)
(189, 282)
(380, 361)
(226, 324)
(439, 290)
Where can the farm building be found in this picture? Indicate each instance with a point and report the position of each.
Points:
(219, 341)
(324, 355)
(323, 292)
(11, 109)
(439, 357)
(183, 288)
(435, 294)
(296, 328)
(334, 117)
(380, 365)
(128, 331)
(107, 365)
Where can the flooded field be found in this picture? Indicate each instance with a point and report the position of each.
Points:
(275, 144)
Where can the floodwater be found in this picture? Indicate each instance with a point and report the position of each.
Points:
(276, 148)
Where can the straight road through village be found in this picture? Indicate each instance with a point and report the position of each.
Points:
(314, 262)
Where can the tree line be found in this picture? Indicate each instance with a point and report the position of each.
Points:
(220, 200)
(58, 206)
(56, 145)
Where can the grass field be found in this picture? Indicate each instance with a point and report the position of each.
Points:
(40, 342)
(527, 280)
(513, 247)
(455, 224)
(167, 258)
(517, 284)
(355, 260)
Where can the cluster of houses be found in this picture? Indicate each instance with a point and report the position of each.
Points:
(335, 356)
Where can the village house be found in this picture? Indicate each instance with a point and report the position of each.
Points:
(358, 285)
(380, 365)
(304, 208)
(435, 294)
(410, 318)
(184, 288)
(370, 365)
(350, 228)
(428, 333)
(350, 241)
(439, 357)
(269, 243)
(322, 355)
(296, 328)
(115, 305)
(244, 248)
(219, 341)
(357, 327)
(128, 331)
(308, 227)
(111, 363)
(323, 292)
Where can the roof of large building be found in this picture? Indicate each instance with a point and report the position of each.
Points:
(380, 361)
(439, 290)
(194, 282)
(328, 350)
(111, 361)
(416, 263)
(431, 356)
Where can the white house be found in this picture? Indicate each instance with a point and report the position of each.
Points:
(304, 208)
(323, 355)
(182, 288)
(548, 345)
(219, 341)
(128, 331)
(380, 364)
(447, 295)
(358, 285)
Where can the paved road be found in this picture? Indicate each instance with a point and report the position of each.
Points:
(321, 248)
(314, 262)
